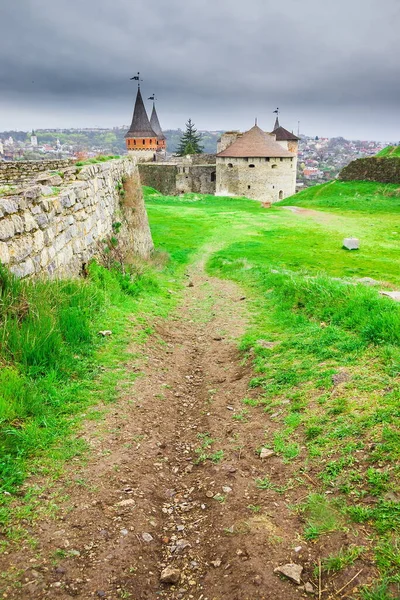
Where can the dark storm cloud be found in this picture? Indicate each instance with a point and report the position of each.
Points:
(220, 61)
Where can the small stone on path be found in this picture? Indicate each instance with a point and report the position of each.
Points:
(291, 571)
(216, 563)
(170, 575)
(308, 588)
(266, 453)
(147, 537)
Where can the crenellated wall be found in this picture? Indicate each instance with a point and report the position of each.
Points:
(20, 172)
(53, 228)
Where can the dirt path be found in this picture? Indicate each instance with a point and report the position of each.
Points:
(171, 479)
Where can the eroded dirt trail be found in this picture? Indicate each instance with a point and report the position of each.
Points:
(171, 478)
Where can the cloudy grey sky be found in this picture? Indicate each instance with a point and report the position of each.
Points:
(332, 65)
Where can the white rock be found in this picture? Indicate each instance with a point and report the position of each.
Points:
(266, 453)
(351, 243)
(291, 571)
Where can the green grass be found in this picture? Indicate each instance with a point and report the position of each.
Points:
(95, 160)
(303, 294)
(390, 151)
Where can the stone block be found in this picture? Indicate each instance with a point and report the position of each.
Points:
(38, 240)
(49, 235)
(4, 254)
(7, 229)
(42, 220)
(351, 243)
(68, 200)
(47, 190)
(19, 225)
(8, 206)
(20, 248)
(49, 179)
(23, 269)
(33, 193)
(30, 223)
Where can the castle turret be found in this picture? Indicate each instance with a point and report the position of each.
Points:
(141, 139)
(287, 139)
(156, 127)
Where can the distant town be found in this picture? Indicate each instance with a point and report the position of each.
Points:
(320, 159)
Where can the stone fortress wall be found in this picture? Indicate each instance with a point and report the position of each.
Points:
(20, 172)
(190, 174)
(55, 226)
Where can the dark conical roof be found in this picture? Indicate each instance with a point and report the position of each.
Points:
(283, 134)
(140, 126)
(155, 124)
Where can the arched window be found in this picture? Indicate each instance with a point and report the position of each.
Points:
(144, 141)
(134, 142)
(230, 165)
(280, 195)
(212, 175)
(251, 166)
(274, 166)
(248, 187)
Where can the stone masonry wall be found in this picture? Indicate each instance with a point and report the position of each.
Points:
(198, 179)
(19, 172)
(173, 178)
(375, 168)
(54, 229)
(160, 176)
(257, 178)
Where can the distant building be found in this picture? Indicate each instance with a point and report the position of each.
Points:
(142, 140)
(34, 140)
(257, 164)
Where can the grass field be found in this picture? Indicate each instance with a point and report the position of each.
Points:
(336, 356)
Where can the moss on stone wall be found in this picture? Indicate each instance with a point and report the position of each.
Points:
(160, 177)
(375, 168)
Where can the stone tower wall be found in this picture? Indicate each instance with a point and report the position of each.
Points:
(268, 180)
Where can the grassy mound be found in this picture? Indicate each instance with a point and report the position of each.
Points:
(363, 196)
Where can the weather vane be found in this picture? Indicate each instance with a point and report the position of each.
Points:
(153, 97)
(137, 78)
(276, 111)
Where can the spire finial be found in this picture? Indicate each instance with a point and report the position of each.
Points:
(137, 78)
(255, 121)
(276, 111)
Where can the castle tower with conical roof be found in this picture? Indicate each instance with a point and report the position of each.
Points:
(141, 139)
(156, 127)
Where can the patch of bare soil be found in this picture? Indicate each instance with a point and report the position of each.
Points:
(316, 215)
(170, 483)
